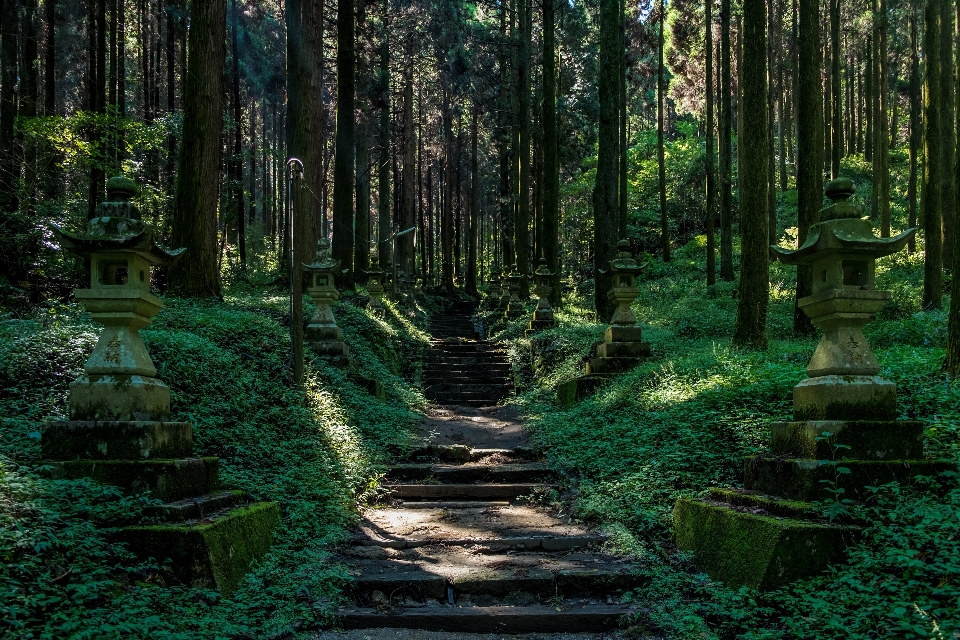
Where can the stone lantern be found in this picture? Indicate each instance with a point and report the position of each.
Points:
(119, 381)
(623, 346)
(323, 334)
(768, 533)
(842, 378)
(375, 288)
(515, 306)
(119, 432)
(543, 314)
(389, 288)
(504, 301)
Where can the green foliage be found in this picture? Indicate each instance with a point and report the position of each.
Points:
(317, 454)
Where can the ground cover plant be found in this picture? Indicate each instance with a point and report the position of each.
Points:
(227, 366)
(685, 420)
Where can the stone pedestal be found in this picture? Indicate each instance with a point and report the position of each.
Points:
(515, 306)
(543, 314)
(767, 534)
(118, 433)
(322, 334)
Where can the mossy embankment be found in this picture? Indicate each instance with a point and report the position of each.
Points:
(316, 454)
(685, 420)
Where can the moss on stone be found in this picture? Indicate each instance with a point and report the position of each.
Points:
(762, 552)
(216, 554)
(168, 480)
(573, 391)
(772, 505)
(865, 439)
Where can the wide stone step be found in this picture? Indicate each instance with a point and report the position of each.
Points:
(431, 379)
(454, 397)
(482, 545)
(463, 491)
(512, 473)
(455, 369)
(495, 619)
(492, 390)
(463, 453)
(473, 404)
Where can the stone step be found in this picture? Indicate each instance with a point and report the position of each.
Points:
(431, 379)
(476, 404)
(467, 399)
(463, 453)
(482, 545)
(463, 491)
(491, 390)
(196, 508)
(462, 474)
(494, 369)
(488, 360)
(495, 619)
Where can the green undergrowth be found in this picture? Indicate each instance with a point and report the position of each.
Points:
(685, 420)
(318, 454)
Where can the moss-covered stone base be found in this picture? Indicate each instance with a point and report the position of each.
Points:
(102, 440)
(573, 391)
(215, 554)
(801, 479)
(168, 480)
(611, 365)
(865, 439)
(741, 548)
(373, 386)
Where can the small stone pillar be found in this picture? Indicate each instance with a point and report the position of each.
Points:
(118, 433)
(322, 334)
(389, 288)
(375, 289)
(504, 300)
(623, 346)
(543, 314)
(767, 534)
(515, 306)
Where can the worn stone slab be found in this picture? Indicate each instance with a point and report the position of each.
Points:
(835, 397)
(523, 472)
(757, 551)
(427, 584)
(463, 491)
(573, 391)
(863, 439)
(624, 350)
(101, 440)
(196, 508)
(168, 480)
(215, 554)
(611, 365)
(495, 619)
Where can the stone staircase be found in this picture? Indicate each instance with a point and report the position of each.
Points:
(463, 369)
(468, 537)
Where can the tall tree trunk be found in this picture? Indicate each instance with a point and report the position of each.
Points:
(622, 226)
(236, 161)
(9, 155)
(750, 329)
(98, 99)
(384, 247)
(809, 147)
(948, 136)
(343, 163)
(471, 283)
(916, 128)
(883, 140)
(195, 204)
(522, 230)
(879, 125)
(408, 220)
(361, 225)
(50, 58)
(446, 215)
(726, 160)
(28, 95)
(952, 362)
(932, 159)
(661, 162)
(551, 165)
(605, 206)
(771, 153)
(711, 180)
(836, 129)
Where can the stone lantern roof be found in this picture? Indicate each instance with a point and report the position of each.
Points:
(119, 228)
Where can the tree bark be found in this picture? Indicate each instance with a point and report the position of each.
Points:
(932, 159)
(384, 247)
(471, 283)
(361, 225)
(883, 139)
(948, 136)
(343, 163)
(837, 128)
(605, 206)
(726, 159)
(916, 129)
(407, 219)
(236, 161)
(551, 165)
(198, 171)
(710, 213)
(522, 229)
(661, 162)
(750, 329)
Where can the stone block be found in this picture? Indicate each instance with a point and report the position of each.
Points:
(118, 397)
(624, 350)
(330, 349)
(757, 551)
(322, 333)
(167, 480)
(868, 440)
(802, 479)
(772, 505)
(620, 333)
(845, 398)
(601, 366)
(573, 391)
(196, 508)
(100, 440)
(373, 386)
(213, 554)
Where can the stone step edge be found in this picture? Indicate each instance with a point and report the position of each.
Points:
(489, 490)
(462, 453)
(551, 543)
(496, 619)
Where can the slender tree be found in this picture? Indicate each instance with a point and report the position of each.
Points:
(726, 160)
(236, 161)
(473, 204)
(709, 164)
(948, 136)
(551, 165)
(343, 161)
(916, 128)
(361, 225)
(932, 157)
(605, 206)
(384, 248)
(750, 329)
(522, 229)
(661, 161)
(809, 146)
(405, 246)
(836, 129)
(198, 167)
(883, 140)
